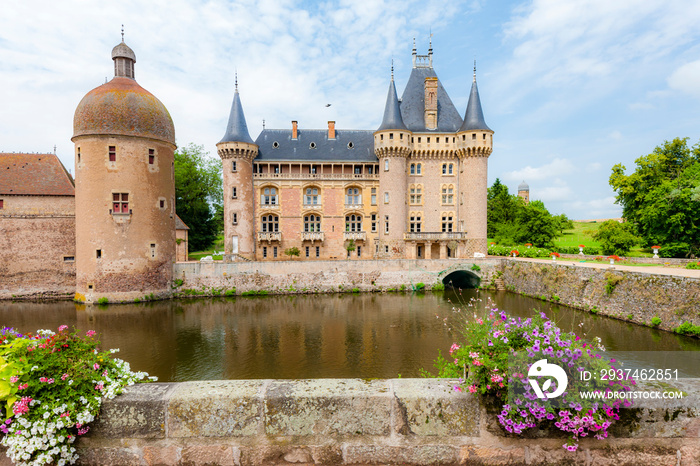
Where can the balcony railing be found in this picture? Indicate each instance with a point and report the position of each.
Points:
(316, 176)
(312, 236)
(435, 236)
(354, 206)
(355, 235)
(269, 236)
(270, 206)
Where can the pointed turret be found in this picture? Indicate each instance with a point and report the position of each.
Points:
(392, 111)
(474, 116)
(237, 129)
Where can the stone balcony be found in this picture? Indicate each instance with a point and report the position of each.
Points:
(316, 176)
(269, 236)
(355, 235)
(435, 236)
(312, 236)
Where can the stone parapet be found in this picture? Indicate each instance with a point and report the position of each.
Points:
(351, 421)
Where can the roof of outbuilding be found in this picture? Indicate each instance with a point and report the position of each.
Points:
(179, 224)
(413, 104)
(34, 175)
(348, 146)
(237, 129)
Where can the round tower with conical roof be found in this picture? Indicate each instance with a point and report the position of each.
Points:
(474, 146)
(237, 151)
(124, 189)
(392, 145)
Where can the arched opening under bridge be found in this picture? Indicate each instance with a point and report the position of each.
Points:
(462, 279)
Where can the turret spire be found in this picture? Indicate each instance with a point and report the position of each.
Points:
(237, 129)
(474, 116)
(392, 111)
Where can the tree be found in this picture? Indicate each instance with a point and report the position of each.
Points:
(350, 247)
(502, 212)
(661, 199)
(198, 192)
(615, 237)
(563, 222)
(293, 251)
(536, 225)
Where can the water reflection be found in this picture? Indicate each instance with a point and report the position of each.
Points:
(308, 336)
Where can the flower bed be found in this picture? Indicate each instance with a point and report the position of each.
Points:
(498, 357)
(52, 386)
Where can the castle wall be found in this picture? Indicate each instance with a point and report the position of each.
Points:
(37, 246)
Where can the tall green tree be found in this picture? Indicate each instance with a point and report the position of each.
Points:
(199, 195)
(615, 237)
(536, 225)
(661, 198)
(502, 212)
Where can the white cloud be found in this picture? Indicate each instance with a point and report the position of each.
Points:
(686, 78)
(553, 169)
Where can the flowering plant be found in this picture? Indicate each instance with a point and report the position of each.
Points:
(581, 246)
(615, 258)
(515, 252)
(555, 254)
(656, 247)
(495, 361)
(528, 244)
(52, 386)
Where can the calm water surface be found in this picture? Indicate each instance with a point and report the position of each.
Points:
(307, 336)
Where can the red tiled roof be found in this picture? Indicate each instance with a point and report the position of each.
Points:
(34, 174)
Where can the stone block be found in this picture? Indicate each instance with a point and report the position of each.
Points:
(215, 409)
(431, 407)
(475, 454)
(139, 412)
(325, 407)
(389, 454)
(95, 456)
(210, 455)
(161, 456)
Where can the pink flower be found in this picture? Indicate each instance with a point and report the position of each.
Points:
(454, 347)
(472, 389)
(458, 388)
(95, 366)
(64, 376)
(62, 328)
(42, 379)
(84, 430)
(90, 333)
(50, 381)
(100, 386)
(104, 374)
(14, 379)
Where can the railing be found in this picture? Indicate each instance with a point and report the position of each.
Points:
(312, 236)
(269, 236)
(354, 206)
(435, 236)
(311, 206)
(316, 176)
(355, 235)
(270, 206)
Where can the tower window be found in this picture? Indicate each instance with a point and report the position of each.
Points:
(374, 196)
(386, 198)
(151, 156)
(162, 204)
(386, 226)
(233, 166)
(112, 153)
(2, 204)
(234, 218)
(374, 223)
(473, 135)
(98, 254)
(153, 250)
(391, 135)
(120, 203)
(234, 193)
(78, 154)
(401, 136)
(386, 165)
(418, 139)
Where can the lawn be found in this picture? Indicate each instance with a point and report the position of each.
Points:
(582, 233)
(217, 247)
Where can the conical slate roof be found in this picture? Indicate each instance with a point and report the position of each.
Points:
(474, 116)
(237, 129)
(523, 186)
(392, 111)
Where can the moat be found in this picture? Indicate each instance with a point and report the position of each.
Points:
(367, 335)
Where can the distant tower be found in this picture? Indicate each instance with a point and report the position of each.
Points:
(474, 145)
(524, 192)
(237, 151)
(392, 145)
(124, 189)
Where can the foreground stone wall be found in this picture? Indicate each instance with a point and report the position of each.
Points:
(319, 276)
(349, 421)
(632, 296)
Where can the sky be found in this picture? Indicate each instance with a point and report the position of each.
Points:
(570, 88)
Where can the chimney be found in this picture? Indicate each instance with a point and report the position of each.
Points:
(431, 108)
(331, 130)
(294, 129)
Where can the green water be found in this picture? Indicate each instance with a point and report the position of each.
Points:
(369, 335)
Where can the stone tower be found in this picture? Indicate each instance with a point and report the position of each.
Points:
(524, 192)
(124, 189)
(474, 145)
(237, 151)
(392, 145)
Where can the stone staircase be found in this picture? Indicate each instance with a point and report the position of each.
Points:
(500, 286)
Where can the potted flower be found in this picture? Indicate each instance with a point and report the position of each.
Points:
(554, 255)
(528, 245)
(613, 258)
(656, 251)
(580, 249)
(515, 253)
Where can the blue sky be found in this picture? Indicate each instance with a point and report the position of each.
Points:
(569, 87)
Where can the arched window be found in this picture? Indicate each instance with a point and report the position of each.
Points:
(413, 169)
(269, 196)
(311, 196)
(312, 223)
(448, 194)
(353, 222)
(447, 222)
(418, 169)
(353, 196)
(270, 223)
(414, 223)
(416, 194)
(449, 169)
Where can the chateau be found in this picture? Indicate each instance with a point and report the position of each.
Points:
(413, 188)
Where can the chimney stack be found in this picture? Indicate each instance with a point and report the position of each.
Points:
(331, 130)
(294, 129)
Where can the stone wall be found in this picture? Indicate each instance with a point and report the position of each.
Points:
(299, 276)
(37, 246)
(632, 296)
(349, 421)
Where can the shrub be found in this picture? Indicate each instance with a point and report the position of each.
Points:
(476, 268)
(230, 292)
(655, 321)
(420, 287)
(402, 287)
(692, 265)
(438, 287)
(178, 282)
(53, 386)
(355, 290)
(686, 328)
(594, 310)
(103, 301)
(611, 282)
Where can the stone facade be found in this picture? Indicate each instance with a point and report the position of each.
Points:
(412, 190)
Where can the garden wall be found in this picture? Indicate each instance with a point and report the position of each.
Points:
(319, 276)
(632, 296)
(349, 421)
